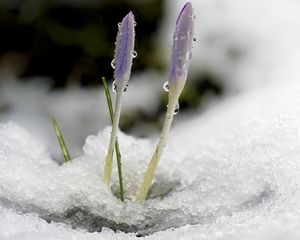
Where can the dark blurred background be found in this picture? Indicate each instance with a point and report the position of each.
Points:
(67, 44)
(73, 40)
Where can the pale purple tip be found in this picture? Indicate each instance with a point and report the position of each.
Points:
(182, 47)
(124, 52)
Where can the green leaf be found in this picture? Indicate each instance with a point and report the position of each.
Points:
(61, 140)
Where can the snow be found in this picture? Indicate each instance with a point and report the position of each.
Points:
(242, 176)
(32, 104)
(229, 172)
(238, 175)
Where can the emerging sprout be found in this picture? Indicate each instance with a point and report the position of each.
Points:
(61, 140)
(124, 53)
(181, 55)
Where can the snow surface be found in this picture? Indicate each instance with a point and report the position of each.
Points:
(32, 104)
(235, 170)
(230, 172)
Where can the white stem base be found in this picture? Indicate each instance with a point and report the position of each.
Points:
(148, 178)
(109, 157)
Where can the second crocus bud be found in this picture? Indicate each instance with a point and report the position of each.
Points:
(182, 50)
(181, 55)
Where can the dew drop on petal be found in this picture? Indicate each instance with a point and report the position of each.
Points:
(166, 86)
(134, 23)
(113, 64)
(114, 87)
(119, 24)
(134, 54)
(194, 39)
(189, 55)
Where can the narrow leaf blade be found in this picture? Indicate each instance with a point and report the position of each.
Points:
(61, 140)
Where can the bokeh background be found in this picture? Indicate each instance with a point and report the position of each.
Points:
(53, 54)
(72, 42)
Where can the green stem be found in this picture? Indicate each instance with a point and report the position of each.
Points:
(118, 154)
(61, 140)
(148, 178)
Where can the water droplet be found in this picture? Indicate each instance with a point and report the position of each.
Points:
(113, 64)
(134, 23)
(125, 89)
(176, 109)
(194, 39)
(189, 55)
(134, 54)
(166, 86)
(114, 87)
(175, 38)
(119, 24)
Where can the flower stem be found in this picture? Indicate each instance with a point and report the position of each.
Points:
(113, 138)
(148, 178)
(118, 154)
(61, 140)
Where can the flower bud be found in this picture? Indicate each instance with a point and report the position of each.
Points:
(124, 52)
(182, 50)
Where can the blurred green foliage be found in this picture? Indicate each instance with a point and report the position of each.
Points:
(75, 42)
(72, 42)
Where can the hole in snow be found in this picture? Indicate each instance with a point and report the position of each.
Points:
(150, 217)
(160, 188)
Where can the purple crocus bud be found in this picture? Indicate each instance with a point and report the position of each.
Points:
(182, 50)
(122, 63)
(181, 55)
(124, 52)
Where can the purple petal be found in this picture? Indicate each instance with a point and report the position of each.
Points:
(182, 47)
(124, 50)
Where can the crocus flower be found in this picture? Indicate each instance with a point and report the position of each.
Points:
(124, 53)
(182, 49)
(181, 55)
